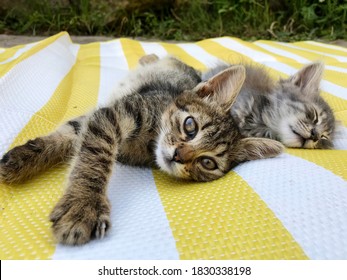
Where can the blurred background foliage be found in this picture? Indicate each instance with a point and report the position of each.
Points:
(183, 20)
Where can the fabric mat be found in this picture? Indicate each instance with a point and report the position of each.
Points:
(289, 207)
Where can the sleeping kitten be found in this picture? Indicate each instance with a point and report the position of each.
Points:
(290, 111)
(164, 118)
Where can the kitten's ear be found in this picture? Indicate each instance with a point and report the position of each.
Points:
(309, 77)
(148, 59)
(224, 87)
(257, 148)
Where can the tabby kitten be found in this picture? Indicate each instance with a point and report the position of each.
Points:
(288, 110)
(164, 118)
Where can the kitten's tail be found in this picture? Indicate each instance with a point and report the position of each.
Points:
(25, 161)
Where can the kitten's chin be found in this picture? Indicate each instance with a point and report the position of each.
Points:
(288, 137)
(293, 140)
(166, 164)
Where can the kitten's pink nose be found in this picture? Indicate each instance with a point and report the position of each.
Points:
(183, 154)
(176, 157)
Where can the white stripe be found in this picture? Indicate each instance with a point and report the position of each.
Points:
(322, 54)
(11, 123)
(200, 54)
(116, 49)
(74, 48)
(340, 141)
(154, 48)
(238, 47)
(328, 46)
(19, 52)
(282, 52)
(27, 87)
(140, 229)
(334, 89)
(113, 68)
(309, 200)
(335, 68)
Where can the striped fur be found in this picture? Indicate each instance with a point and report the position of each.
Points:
(164, 118)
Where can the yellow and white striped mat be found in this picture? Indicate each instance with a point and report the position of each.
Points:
(290, 207)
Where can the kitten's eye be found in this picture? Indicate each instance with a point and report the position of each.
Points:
(190, 127)
(315, 116)
(312, 115)
(208, 163)
(324, 137)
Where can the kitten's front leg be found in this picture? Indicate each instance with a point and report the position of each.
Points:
(84, 210)
(25, 161)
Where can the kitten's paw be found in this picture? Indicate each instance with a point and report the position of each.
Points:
(7, 168)
(77, 220)
(18, 164)
(10, 167)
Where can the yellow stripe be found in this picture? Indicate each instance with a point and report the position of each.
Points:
(285, 60)
(133, 51)
(8, 53)
(223, 219)
(175, 50)
(303, 53)
(86, 81)
(25, 229)
(338, 105)
(223, 53)
(336, 77)
(342, 116)
(279, 58)
(320, 49)
(233, 57)
(333, 160)
(230, 56)
(8, 66)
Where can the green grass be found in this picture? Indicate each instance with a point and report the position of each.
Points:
(188, 20)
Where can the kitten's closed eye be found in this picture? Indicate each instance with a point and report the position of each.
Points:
(315, 119)
(312, 115)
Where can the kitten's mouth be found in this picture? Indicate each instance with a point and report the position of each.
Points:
(306, 142)
(169, 160)
(168, 163)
